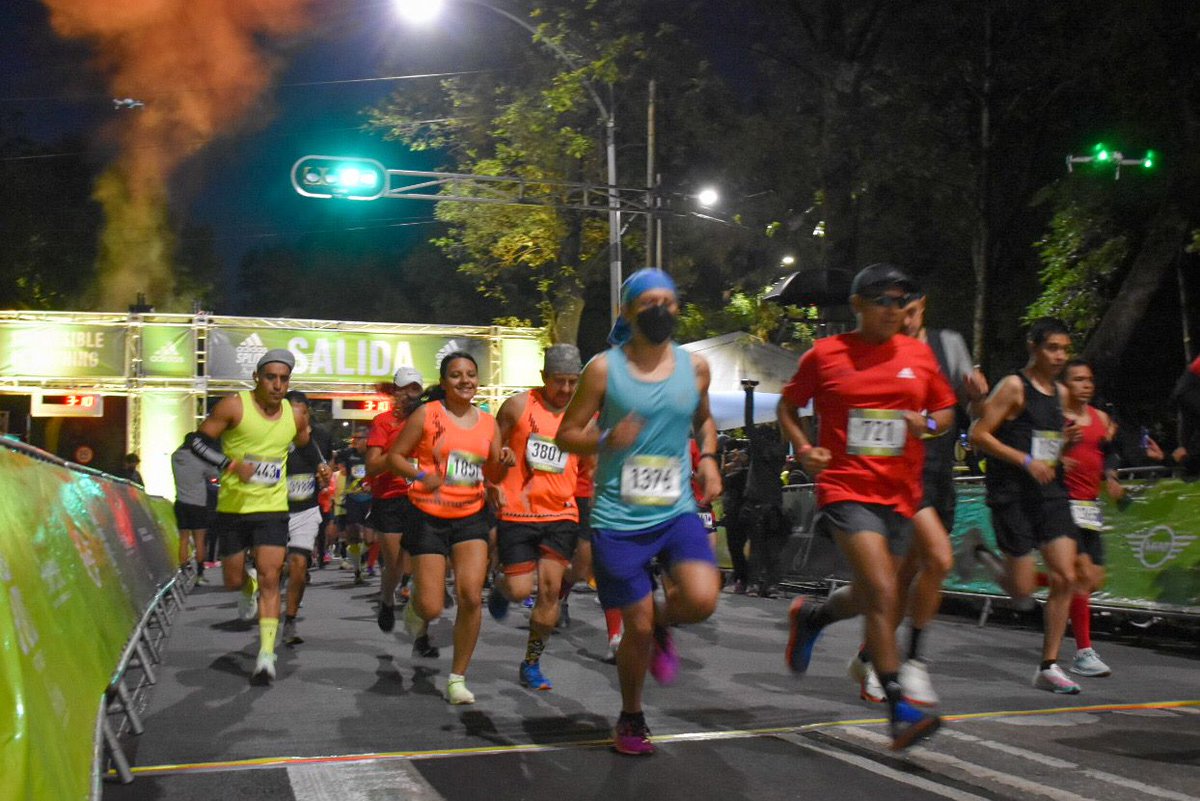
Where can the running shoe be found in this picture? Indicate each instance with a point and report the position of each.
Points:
(264, 670)
(664, 661)
(869, 687)
(290, 636)
(528, 602)
(564, 615)
(739, 587)
(425, 649)
(803, 634)
(915, 684)
(413, 623)
(632, 738)
(1054, 680)
(497, 604)
(247, 608)
(910, 724)
(457, 692)
(370, 572)
(358, 578)
(387, 617)
(614, 643)
(201, 580)
(403, 595)
(344, 564)
(1087, 663)
(531, 676)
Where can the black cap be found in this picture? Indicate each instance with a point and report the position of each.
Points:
(882, 275)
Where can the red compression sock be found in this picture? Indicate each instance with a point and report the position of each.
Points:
(612, 619)
(1081, 621)
(372, 555)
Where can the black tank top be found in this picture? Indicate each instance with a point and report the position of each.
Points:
(1037, 430)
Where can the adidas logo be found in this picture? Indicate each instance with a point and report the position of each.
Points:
(168, 353)
(450, 346)
(906, 373)
(250, 351)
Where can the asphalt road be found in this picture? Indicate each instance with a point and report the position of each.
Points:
(354, 716)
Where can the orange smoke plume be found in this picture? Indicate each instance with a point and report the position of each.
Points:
(201, 70)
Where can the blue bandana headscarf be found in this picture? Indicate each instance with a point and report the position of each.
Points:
(634, 287)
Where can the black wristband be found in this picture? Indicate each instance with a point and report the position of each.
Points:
(712, 456)
(200, 445)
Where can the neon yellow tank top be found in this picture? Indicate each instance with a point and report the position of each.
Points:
(263, 443)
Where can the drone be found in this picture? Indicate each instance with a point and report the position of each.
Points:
(1104, 157)
(127, 102)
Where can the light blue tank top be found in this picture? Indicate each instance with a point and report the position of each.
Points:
(649, 483)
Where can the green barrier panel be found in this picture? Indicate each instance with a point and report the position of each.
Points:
(1152, 548)
(80, 556)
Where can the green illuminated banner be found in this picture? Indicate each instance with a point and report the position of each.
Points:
(338, 356)
(168, 351)
(62, 350)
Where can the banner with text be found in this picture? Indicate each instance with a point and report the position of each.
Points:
(168, 351)
(338, 356)
(62, 350)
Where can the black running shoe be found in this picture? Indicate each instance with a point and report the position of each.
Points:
(424, 648)
(386, 618)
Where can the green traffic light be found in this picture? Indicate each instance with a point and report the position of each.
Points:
(1149, 161)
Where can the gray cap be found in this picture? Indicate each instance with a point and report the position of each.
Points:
(281, 355)
(562, 358)
(406, 376)
(881, 276)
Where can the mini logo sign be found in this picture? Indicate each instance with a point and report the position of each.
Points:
(167, 353)
(1159, 545)
(250, 351)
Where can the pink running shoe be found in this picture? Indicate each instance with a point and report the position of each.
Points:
(632, 738)
(664, 662)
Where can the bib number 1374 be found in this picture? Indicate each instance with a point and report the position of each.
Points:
(650, 480)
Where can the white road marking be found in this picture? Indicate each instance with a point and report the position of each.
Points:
(883, 770)
(360, 781)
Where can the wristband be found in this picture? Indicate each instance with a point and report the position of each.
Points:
(420, 476)
(1028, 460)
(931, 425)
(603, 438)
(712, 456)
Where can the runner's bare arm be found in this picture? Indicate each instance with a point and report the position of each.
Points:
(510, 413)
(398, 455)
(1005, 403)
(500, 458)
(303, 426)
(575, 432)
(709, 468)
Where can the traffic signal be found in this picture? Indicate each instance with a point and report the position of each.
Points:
(1101, 153)
(1150, 159)
(339, 177)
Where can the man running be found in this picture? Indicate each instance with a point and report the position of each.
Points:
(391, 510)
(307, 471)
(357, 502)
(650, 394)
(927, 563)
(1022, 431)
(255, 428)
(192, 476)
(1089, 461)
(539, 520)
(876, 394)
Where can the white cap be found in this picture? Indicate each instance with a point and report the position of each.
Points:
(408, 375)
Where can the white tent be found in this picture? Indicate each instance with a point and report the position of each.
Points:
(738, 355)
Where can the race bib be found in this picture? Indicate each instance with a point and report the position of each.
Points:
(707, 519)
(358, 471)
(267, 472)
(464, 469)
(1046, 447)
(876, 432)
(650, 480)
(301, 487)
(542, 454)
(1086, 515)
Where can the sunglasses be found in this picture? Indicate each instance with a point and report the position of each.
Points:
(893, 301)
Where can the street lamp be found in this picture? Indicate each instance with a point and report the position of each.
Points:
(708, 197)
(423, 11)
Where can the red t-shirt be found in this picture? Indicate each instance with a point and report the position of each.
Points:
(1084, 476)
(843, 373)
(385, 428)
(1194, 368)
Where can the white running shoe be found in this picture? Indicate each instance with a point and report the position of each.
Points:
(915, 684)
(869, 688)
(457, 692)
(247, 608)
(613, 644)
(1087, 663)
(264, 669)
(1054, 680)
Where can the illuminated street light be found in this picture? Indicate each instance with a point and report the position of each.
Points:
(708, 197)
(423, 11)
(788, 261)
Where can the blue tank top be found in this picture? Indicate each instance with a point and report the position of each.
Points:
(650, 482)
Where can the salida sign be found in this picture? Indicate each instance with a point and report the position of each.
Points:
(336, 356)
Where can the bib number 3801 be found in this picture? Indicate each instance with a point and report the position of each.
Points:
(542, 454)
(651, 480)
(876, 432)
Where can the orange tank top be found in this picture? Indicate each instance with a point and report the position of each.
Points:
(458, 455)
(541, 488)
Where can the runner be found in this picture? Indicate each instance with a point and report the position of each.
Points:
(869, 388)
(391, 510)
(357, 501)
(1022, 431)
(307, 471)
(927, 563)
(456, 446)
(192, 476)
(255, 428)
(539, 521)
(1088, 461)
(1186, 398)
(650, 394)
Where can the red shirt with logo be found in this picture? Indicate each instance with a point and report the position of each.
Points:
(385, 427)
(858, 391)
(1086, 469)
